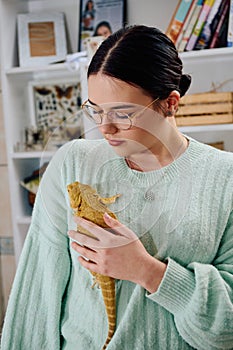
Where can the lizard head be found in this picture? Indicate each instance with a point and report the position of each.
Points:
(74, 195)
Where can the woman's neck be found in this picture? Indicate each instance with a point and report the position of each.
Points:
(158, 156)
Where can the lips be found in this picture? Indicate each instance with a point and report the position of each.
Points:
(115, 142)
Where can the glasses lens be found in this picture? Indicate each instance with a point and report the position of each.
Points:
(92, 113)
(120, 118)
(120, 114)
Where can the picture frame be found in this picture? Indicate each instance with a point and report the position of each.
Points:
(100, 18)
(55, 113)
(41, 38)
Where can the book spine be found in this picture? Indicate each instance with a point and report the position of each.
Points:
(230, 26)
(178, 19)
(168, 30)
(220, 23)
(186, 23)
(214, 23)
(199, 25)
(190, 26)
(206, 33)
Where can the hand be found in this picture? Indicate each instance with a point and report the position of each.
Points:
(116, 252)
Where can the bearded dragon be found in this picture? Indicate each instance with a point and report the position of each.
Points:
(87, 203)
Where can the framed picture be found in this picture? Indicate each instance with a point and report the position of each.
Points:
(100, 18)
(41, 38)
(56, 115)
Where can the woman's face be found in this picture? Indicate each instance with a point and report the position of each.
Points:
(90, 5)
(104, 31)
(107, 92)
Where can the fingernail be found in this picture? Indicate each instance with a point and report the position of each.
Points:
(73, 244)
(107, 216)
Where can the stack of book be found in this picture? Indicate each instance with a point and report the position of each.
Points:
(201, 24)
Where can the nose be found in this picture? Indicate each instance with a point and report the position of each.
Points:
(107, 126)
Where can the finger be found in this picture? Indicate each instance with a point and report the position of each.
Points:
(115, 225)
(106, 239)
(84, 240)
(88, 225)
(77, 245)
(119, 228)
(89, 265)
(87, 253)
(97, 231)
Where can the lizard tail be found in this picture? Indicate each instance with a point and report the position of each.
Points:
(108, 291)
(111, 330)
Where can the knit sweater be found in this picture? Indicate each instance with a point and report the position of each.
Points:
(182, 213)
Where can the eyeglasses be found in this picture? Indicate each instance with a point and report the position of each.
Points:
(121, 114)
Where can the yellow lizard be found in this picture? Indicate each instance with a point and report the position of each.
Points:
(87, 203)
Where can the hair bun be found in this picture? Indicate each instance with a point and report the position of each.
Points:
(185, 83)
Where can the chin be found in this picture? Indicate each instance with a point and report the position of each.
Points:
(128, 149)
(120, 151)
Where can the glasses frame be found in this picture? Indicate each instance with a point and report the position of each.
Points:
(101, 114)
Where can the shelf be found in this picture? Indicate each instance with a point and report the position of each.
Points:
(216, 53)
(54, 71)
(23, 220)
(32, 155)
(45, 68)
(204, 128)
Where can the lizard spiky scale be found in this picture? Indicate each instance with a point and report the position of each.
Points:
(86, 203)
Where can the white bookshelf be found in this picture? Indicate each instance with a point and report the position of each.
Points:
(208, 68)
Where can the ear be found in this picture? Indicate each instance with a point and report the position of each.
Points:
(172, 103)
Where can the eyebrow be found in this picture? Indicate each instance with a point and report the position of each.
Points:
(117, 107)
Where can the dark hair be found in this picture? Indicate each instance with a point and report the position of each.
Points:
(87, 5)
(144, 57)
(102, 24)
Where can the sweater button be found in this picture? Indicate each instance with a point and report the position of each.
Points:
(149, 195)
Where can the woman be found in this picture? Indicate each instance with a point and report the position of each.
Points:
(88, 15)
(171, 249)
(103, 29)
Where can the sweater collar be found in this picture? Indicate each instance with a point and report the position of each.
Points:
(178, 168)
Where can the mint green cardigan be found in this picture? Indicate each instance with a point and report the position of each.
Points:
(186, 220)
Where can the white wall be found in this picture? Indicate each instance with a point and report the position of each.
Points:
(146, 12)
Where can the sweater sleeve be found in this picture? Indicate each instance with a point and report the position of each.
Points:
(200, 296)
(33, 314)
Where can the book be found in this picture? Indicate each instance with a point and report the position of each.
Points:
(220, 36)
(207, 5)
(215, 21)
(186, 22)
(178, 19)
(208, 30)
(230, 26)
(169, 28)
(190, 26)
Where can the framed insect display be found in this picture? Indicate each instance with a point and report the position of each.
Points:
(55, 109)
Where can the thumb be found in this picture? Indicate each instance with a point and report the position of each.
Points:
(119, 228)
(110, 221)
